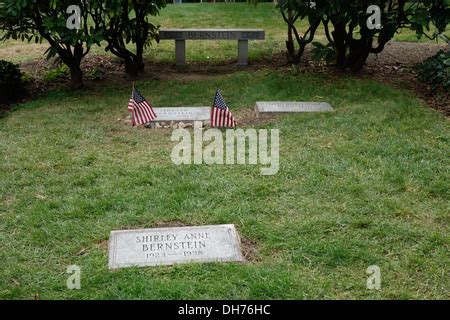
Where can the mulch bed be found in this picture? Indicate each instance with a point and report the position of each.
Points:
(394, 66)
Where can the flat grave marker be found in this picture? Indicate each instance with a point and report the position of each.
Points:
(167, 246)
(182, 114)
(291, 106)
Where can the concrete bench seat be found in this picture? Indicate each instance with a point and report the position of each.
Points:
(181, 35)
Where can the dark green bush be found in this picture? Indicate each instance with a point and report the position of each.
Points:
(321, 52)
(56, 73)
(435, 71)
(11, 87)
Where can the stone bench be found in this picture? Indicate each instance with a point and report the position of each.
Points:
(181, 35)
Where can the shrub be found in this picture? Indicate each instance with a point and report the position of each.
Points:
(96, 74)
(124, 22)
(11, 86)
(321, 52)
(26, 79)
(57, 73)
(435, 71)
(34, 20)
(345, 26)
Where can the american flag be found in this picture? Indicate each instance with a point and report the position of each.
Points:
(141, 111)
(220, 114)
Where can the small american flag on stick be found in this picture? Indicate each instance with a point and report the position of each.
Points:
(141, 110)
(220, 114)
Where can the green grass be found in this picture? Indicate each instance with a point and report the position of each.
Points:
(205, 15)
(365, 185)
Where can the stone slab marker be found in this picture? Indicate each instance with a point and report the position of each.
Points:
(291, 107)
(182, 114)
(167, 246)
(181, 35)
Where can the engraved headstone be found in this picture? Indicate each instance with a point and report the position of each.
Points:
(167, 246)
(291, 106)
(182, 114)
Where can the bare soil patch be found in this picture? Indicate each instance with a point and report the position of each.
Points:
(249, 250)
(248, 118)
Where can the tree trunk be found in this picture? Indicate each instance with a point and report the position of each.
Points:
(358, 54)
(290, 41)
(134, 66)
(339, 37)
(76, 76)
(299, 54)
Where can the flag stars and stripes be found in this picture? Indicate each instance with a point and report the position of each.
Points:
(141, 110)
(220, 114)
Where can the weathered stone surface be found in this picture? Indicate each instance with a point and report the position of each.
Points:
(291, 106)
(167, 246)
(183, 125)
(181, 35)
(182, 114)
(211, 34)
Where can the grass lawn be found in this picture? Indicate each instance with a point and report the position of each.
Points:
(365, 185)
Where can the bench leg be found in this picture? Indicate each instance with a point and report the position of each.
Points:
(242, 53)
(180, 53)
